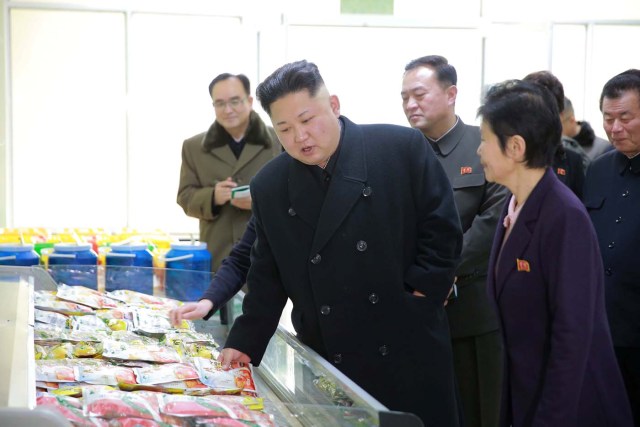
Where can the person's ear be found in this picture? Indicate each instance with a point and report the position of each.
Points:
(516, 148)
(452, 94)
(250, 101)
(335, 105)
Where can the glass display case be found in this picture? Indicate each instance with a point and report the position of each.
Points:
(299, 387)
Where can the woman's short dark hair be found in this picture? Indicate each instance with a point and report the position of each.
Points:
(517, 107)
(224, 76)
(290, 78)
(623, 82)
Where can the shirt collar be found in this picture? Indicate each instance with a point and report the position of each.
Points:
(331, 164)
(446, 133)
(630, 164)
(448, 142)
(333, 159)
(634, 164)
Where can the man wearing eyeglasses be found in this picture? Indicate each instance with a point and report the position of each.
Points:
(227, 156)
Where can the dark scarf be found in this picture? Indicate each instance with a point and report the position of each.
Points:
(586, 136)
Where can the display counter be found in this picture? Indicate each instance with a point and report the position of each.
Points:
(299, 387)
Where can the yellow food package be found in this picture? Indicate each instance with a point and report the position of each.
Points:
(60, 351)
(85, 349)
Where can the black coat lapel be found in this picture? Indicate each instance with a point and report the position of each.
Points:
(305, 197)
(325, 213)
(347, 185)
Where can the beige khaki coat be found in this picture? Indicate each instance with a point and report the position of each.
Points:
(208, 159)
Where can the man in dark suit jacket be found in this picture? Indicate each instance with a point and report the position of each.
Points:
(570, 161)
(568, 167)
(582, 133)
(612, 197)
(428, 97)
(357, 226)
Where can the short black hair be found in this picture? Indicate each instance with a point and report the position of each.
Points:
(623, 82)
(290, 78)
(518, 107)
(551, 82)
(224, 76)
(445, 72)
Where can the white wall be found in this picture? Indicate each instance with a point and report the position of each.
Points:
(98, 100)
(68, 117)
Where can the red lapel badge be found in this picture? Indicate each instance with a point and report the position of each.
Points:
(464, 170)
(561, 171)
(523, 265)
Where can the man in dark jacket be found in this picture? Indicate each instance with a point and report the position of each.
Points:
(582, 132)
(612, 197)
(357, 226)
(570, 161)
(568, 166)
(429, 94)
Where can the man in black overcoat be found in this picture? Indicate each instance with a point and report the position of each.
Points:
(357, 225)
(612, 197)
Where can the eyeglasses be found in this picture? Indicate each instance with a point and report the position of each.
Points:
(233, 103)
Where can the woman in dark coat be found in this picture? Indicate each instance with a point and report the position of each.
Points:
(546, 275)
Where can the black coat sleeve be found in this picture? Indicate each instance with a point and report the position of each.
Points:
(232, 274)
(263, 304)
(439, 233)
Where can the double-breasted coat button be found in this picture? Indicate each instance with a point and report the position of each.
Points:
(316, 259)
(608, 271)
(625, 193)
(337, 358)
(618, 220)
(361, 245)
(383, 350)
(612, 245)
(325, 310)
(291, 212)
(367, 191)
(373, 298)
